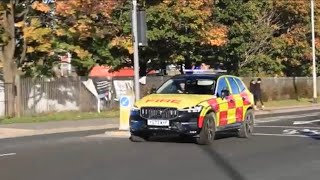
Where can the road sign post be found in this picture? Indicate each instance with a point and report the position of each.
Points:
(314, 71)
(136, 50)
(126, 104)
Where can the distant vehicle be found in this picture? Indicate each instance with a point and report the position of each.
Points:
(197, 104)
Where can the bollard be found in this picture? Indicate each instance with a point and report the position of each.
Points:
(126, 104)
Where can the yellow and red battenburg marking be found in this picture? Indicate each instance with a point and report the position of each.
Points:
(223, 118)
(239, 112)
(245, 95)
(225, 109)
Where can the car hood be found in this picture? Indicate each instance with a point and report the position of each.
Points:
(171, 100)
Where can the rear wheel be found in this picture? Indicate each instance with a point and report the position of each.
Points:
(247, 125)
(207, 133)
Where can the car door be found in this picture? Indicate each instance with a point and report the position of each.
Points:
(235, 102)
(222, 103)
(247, 98)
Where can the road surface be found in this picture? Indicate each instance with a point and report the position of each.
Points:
(282, 148)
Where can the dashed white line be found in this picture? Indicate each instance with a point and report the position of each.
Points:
(8, 154)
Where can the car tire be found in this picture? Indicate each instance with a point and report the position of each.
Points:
(246, 129)
(138, 138)
(207, 133)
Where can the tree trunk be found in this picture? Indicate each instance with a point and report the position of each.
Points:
(9, 64)
(9, 72)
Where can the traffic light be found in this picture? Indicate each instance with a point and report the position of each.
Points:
(142, 28)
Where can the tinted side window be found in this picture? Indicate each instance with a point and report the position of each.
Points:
(240, 83)
(234, 86)
(222, 84)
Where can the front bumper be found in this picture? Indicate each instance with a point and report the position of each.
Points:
(185, 124)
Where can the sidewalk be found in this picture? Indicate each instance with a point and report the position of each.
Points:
(292, 110)
(31, 129)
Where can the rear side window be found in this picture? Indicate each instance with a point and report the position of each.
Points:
(234, 86)
(240, 84)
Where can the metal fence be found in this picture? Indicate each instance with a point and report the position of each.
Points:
(7, 92)
(62, 94)
(35, 96)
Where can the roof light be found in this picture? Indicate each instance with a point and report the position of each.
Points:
(203, 71)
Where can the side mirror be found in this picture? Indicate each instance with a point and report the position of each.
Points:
(152, 90)
(225, 93)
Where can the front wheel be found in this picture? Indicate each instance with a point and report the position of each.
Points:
(207, 133)
(247, 126)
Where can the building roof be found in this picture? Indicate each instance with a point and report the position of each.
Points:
(104, 71)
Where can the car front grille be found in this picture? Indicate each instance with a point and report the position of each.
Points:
(158, 113)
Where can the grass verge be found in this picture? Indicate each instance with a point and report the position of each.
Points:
(288, 103)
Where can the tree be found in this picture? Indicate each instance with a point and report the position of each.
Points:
(179, 31)
(86, 29)
(252, 25)
(292, 42)
(11, 12)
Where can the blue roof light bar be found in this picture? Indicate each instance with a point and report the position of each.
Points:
(202, 71)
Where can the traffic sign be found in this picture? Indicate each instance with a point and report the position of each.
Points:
(124, 101)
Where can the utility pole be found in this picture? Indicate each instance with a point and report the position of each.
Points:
(313, 55)
(136, 51)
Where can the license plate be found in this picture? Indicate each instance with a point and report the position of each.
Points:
(158, 122)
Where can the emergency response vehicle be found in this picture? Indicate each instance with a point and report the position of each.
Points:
(198, 104)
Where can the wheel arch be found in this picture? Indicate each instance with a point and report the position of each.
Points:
(202, 115)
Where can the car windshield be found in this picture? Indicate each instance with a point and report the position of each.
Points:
(187, 85)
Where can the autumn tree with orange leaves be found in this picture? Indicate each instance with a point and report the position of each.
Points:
(179, 31)
(33, 33)
(264, 37)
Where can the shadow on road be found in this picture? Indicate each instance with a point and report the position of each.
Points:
(213, 155)
(178, 139)
(221, 162)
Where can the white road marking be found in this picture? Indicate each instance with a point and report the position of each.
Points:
(294, 131)
(266, 120)
(290, 131)
(292, 127)
(8, 154)
(306, 122)
(280, 135)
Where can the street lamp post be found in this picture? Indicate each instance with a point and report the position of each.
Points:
(136, 51)
(313, 55)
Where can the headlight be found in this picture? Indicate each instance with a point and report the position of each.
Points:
(191, 109)
(134, 111)
(135, 108)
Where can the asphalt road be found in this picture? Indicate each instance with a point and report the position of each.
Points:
(282, 148)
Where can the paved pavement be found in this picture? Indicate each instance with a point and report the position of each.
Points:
(31, 129)
(281, 149)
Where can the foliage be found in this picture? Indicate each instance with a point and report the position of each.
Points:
(251, 37)
(180, 31)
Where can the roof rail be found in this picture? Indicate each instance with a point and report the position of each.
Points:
(203, 71)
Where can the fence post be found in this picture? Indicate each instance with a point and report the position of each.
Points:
(79, 94)
(18, 95)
